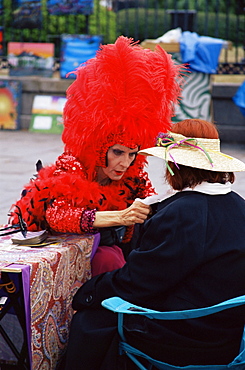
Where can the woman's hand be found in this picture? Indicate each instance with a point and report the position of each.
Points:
(136, 214)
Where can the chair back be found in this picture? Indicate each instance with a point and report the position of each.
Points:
(122, 307)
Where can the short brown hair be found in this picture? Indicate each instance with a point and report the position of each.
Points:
(189, 176)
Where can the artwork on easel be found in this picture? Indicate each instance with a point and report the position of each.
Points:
(75, 50)
(196, 96)
(27, 14)
(1, 40)
(1, 28)
(59, 7)
(47, 114)
(28, 58)
(10, 103)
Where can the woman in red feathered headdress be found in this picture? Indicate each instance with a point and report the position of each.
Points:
(118, 103)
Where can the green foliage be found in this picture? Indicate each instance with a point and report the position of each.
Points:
(222, 6)
(224, 27)
(139, 23)
(152, 24)
(101, 22)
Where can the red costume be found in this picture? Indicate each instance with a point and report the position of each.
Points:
(124, 96)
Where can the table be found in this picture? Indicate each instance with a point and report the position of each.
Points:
(50, 276)
(173, 47)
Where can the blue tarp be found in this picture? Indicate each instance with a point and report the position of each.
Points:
(200, 52)
(239, 98)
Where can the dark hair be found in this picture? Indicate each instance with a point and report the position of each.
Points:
(188, 176)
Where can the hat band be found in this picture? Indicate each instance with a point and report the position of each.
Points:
(169, 143)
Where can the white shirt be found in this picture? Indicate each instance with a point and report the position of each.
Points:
(205, 187)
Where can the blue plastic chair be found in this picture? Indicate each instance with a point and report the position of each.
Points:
(122, 307)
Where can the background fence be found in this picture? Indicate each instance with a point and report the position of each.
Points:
(139, 19)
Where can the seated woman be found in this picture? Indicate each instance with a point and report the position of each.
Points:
(118, 103)
(191, 254)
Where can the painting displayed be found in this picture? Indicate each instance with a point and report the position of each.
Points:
(59, 7)
(27, 14)
(27, 59)
(1, 40)
(10, 103)
(1, 29)
(75, 50)
(196, 96)
(47, 111)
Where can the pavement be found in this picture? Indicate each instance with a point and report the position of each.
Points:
(20, 150)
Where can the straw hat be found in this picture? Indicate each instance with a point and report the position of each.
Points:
(193, 152)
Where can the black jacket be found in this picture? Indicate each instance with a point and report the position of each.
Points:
(191, 254)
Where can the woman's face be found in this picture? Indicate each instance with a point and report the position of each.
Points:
(119, 158)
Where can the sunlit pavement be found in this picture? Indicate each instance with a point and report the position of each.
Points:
(20, 150)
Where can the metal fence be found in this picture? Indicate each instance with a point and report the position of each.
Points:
(139, 19)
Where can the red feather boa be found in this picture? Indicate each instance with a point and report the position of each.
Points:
(67, 180)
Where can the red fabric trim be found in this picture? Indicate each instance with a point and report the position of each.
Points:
(69, 184)
(62, 217)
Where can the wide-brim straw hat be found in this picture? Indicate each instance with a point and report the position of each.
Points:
(194, 152)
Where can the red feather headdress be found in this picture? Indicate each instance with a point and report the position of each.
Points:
(125, 95)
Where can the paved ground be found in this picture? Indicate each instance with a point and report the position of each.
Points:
(19, 151)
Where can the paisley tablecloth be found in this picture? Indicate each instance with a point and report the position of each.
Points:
(56, 272)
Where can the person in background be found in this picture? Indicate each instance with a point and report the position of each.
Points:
(191, 254)
(117, 104)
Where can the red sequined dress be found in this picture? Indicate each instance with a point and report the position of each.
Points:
(60, 195)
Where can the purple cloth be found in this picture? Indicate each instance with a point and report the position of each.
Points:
(95, 245)
(26, 293)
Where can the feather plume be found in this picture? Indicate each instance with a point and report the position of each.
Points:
(124, 95)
